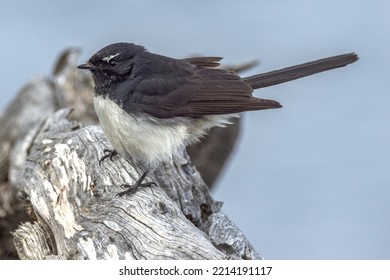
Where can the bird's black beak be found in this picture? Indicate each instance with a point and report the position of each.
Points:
(88, 66)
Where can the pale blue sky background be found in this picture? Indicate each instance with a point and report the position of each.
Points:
(308, 181)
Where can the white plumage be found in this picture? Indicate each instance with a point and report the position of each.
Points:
(147, 140)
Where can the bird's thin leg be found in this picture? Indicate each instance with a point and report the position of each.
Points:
(131, 189)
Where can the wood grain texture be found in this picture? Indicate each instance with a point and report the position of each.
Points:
(75, 205)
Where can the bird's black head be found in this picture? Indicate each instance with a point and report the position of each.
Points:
(113, 63)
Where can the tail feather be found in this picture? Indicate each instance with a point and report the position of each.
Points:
(300, 71)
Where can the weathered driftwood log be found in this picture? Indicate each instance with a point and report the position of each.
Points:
(52, 163)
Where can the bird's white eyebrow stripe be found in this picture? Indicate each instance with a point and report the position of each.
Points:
(107, 58)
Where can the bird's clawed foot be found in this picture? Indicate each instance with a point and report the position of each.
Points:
(131, 189)
(108, 154)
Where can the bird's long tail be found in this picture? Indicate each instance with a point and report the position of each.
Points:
(300, 70)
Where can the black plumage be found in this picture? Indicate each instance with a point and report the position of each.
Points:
(151, 106)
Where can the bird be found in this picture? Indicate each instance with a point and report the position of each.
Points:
(151, 106)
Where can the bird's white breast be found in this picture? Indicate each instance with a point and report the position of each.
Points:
(140, 138)
(147, 140)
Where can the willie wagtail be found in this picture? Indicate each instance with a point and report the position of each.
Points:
(151, 106)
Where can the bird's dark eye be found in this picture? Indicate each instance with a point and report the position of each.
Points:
(110, 60)
(112, 63)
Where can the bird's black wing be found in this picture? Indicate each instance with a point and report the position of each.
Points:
(196, 92)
